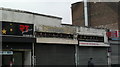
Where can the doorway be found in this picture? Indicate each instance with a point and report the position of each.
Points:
(16, 59)
(6, 60)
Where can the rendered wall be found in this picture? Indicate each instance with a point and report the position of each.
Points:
(29, 17)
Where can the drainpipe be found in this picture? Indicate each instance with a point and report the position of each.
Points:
(33, 50)
(85, 13)
(33, 56)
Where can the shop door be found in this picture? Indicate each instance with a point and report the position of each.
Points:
(18, 58)
(6, 60)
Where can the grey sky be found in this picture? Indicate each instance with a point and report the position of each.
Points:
(60, 8)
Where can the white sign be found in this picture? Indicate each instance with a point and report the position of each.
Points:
(81, 43)
(6, 52)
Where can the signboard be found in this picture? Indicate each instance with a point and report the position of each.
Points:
(92, 44)
(114, 35)
(115, 38)
(90, 38)
(19, 29)
(67, 30)
(6, 52)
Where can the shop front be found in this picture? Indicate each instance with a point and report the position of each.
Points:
(17, 42)
(55, 55)
(56, 52)
(92, 47)
(55, 46)
(115, 54)
(97, 51)
(114, 40)
(18, 50)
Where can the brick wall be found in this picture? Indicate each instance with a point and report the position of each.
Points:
(77, 14)
(101, 14)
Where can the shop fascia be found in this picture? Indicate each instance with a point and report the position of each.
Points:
(114, 35)
(81, 43)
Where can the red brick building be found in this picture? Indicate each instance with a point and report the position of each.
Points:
(100, 14)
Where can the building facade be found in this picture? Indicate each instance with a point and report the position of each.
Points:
(17, 39)
(39, 40)
(101, 15)
(92, 44)
(35, 39)
(55, 45)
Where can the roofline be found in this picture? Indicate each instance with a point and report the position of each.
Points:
(67, 24)
(16, 22)
(77, 2)
(84, 26)
(22, 11)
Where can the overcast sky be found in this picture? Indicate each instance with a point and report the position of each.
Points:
(59, 8)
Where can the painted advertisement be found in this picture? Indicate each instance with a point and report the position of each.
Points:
(18, 29)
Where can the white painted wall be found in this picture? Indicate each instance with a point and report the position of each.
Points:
(0, 15)
(42, 20)
(90, 31)
(57, 41)
(24, 17)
